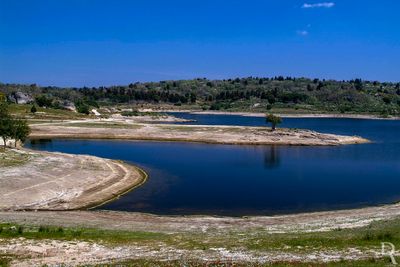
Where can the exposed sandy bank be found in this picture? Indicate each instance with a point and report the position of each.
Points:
(146, 118)
(56, 181)
(296, 223)
(192, 133)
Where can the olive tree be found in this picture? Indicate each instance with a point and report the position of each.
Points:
(274, 120)
(5, 123)
(17, 129)
(20, 130)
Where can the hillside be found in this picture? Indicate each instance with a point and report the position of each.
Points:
(300, 95)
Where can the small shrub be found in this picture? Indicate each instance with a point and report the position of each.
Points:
(43, 229)
(367, 236)
(20, 230)
(33, 109)
(130, 113)
(76, 233)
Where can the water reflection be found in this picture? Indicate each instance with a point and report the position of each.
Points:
(39, 142)
(271, 157)
(188, 178)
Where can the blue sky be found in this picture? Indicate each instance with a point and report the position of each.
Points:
(96, 42)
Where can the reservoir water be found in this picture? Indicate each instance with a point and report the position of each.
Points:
(188, 178)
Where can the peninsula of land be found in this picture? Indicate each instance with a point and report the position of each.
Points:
(57, 181)
(239, 135)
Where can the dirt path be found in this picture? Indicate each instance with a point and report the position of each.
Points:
(57, 181)
(191, 133)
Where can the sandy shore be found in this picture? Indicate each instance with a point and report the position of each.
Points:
(303, 222)
(240, 135)
(57, 181)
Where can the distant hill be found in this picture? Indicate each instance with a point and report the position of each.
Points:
(240, 94)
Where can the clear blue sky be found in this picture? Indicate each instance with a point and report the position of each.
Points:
(96, 42)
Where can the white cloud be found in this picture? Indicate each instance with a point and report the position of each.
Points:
(302, 33)
(319, 5)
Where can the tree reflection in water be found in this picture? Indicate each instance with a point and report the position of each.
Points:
(271, 157)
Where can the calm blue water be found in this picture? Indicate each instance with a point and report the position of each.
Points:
(190, 178)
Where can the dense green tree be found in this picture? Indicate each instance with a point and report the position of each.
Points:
(274, 120)
(44, 101)
(6, 123)
(12, 128)
(83, 108)
(358, 84)
(20, 130)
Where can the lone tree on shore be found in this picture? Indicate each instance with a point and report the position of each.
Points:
(21, 130)
(17, 129)
(274, 120)
(5, 123)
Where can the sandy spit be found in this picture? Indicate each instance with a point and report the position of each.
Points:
(239, 135)
(58, 181)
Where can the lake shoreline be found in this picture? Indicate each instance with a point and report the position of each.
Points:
(319, 221)
(285, 115)
(61, 181)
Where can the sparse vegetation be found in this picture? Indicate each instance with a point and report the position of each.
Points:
(12, 158)
(252, 240)
(33, 109)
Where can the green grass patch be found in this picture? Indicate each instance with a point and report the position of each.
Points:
(227, 263)
(260, 240)
(43, 113)
(9, 231)
(10, 158)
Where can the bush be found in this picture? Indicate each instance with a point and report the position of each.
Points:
(44, 101)
(130, 113)
(83, 108)
(33, 109)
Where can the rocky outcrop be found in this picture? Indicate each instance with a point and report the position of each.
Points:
(20, 98)
(68, 105)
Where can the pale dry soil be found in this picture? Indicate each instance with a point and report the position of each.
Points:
(72, 253)
(146, 118)
(56, 181)
(109, 129)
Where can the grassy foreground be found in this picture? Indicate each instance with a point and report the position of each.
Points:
(255, 240)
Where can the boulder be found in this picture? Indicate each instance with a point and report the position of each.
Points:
(20, 98)
(68, 105)
(95, 112)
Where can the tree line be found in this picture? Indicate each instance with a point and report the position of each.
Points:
(355, 95)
